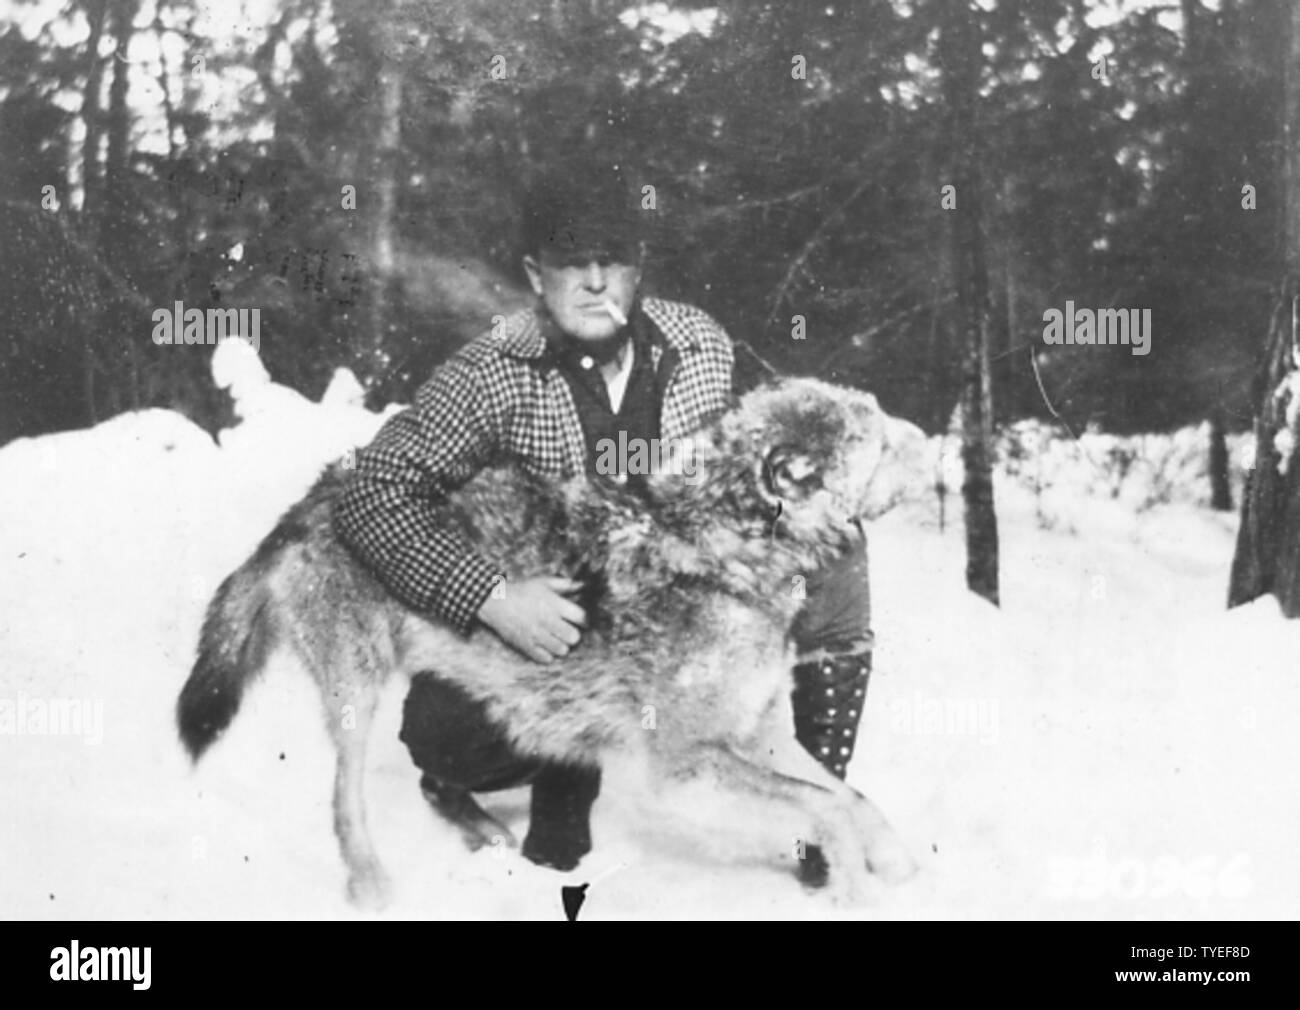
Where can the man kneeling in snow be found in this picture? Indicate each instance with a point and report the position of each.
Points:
(594, 364)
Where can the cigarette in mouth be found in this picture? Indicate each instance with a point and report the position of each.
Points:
(615, 312)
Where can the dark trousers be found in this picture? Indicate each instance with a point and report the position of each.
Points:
(836, 616)
(451, 739)
(457, 746)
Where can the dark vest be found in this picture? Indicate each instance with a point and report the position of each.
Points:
(609, 434)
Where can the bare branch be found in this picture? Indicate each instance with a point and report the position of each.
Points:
(814, 240)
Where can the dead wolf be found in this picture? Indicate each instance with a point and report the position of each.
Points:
(691, 587)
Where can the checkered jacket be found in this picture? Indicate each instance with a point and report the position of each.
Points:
(500, 399)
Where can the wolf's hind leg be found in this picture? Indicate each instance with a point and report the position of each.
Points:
(368, 885)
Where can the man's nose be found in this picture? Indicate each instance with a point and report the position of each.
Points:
(595, 277)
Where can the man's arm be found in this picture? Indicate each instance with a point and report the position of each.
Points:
(386, 514)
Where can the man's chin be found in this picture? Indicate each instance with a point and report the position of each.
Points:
(592, 332)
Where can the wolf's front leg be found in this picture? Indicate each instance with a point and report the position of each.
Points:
(752, 797)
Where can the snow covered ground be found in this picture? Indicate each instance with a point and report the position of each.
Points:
(1111, 743)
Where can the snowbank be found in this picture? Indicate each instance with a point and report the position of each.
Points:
(1110, 743)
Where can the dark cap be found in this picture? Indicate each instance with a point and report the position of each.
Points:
(580, 209)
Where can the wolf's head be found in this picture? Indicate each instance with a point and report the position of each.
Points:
(807, 460)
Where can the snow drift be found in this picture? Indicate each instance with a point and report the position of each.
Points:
(1110, 743)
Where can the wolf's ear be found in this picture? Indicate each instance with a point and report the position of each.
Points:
(788, 473)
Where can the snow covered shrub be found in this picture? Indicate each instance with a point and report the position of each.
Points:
(1042, 462)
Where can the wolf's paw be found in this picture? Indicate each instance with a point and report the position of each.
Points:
(890, 861)
(849, 890)
(833, 869)
(370, 889)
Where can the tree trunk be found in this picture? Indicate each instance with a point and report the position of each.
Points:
(1267, 558)
(164, 83)
(384, 174)
(118, 126)
(960, 57)
(90, 170)
(115, 215)
(1220, 489)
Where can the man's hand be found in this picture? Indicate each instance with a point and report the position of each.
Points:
(534, 617)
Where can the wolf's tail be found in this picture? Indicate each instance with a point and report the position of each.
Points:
(232, 649)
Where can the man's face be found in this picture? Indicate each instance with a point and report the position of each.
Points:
(575, 287)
